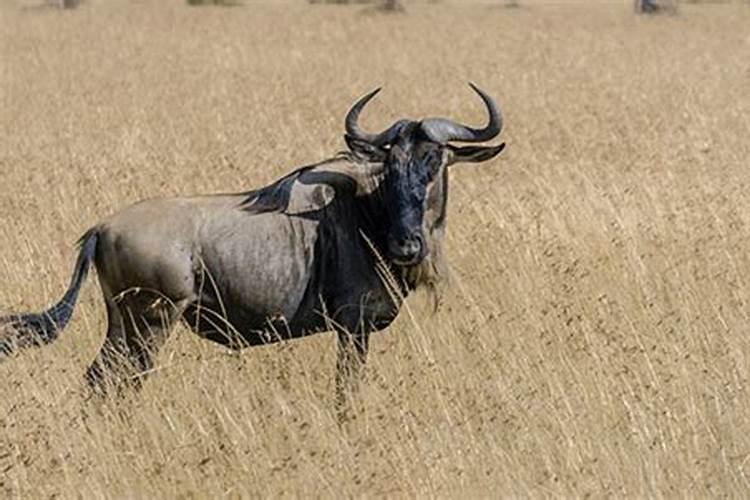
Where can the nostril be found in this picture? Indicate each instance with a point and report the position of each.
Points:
(419, 240)
(413, 246)
(406, 248)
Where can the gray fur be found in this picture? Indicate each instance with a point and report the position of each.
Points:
(303, 255)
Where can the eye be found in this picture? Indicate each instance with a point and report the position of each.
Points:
(433, 164)
(434, 168)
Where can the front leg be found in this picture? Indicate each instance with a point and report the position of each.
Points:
(351, 357)
(354, 322)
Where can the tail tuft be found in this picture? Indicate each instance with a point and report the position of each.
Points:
(21, 331)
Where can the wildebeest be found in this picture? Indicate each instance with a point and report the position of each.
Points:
(303, 255)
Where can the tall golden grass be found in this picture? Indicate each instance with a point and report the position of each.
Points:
(595, 338)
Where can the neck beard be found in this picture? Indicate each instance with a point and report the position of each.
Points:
(429, 275)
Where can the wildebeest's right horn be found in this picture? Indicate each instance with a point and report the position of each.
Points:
(443, 130)
(352, 127)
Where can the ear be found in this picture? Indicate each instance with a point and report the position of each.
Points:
(365, 150)
(474, 154)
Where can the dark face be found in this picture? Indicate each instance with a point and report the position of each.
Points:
(415, 187)
(415, 194)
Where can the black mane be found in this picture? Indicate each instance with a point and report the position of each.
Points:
(275, 197)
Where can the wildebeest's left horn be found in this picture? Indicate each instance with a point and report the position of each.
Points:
(443, 130)
(352, 127)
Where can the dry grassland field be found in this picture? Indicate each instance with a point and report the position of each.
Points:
(594, 337)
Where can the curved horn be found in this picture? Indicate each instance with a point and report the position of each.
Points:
(352, 126)
(443, 130)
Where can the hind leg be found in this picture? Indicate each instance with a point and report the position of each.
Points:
(139, 324)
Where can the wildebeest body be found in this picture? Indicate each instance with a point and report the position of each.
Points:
(283, 275)
(331, 246)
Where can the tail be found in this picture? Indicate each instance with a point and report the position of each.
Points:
(37, 329)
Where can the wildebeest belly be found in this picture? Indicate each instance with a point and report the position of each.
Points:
(256, 278)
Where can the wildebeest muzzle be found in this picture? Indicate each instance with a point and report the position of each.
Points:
(407, 249)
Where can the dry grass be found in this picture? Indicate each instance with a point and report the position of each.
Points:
(596, 335)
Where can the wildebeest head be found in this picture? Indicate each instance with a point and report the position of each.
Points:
(415, 157)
